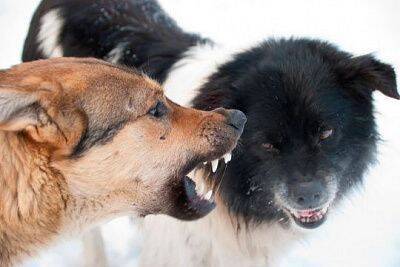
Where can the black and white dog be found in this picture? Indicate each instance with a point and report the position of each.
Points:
(310, 136)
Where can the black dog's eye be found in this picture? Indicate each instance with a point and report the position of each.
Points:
(158, 110)
(270, 147)
(325, 134)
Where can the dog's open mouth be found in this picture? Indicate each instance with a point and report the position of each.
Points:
(310, 219)
(197, 200)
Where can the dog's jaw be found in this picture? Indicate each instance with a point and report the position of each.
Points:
(83, 213)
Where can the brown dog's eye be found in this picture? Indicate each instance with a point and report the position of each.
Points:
(270, 147)
(158, 110)
(326, 134)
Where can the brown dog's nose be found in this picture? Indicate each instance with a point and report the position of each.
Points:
(235, 118)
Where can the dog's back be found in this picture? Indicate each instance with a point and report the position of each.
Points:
(134, 33)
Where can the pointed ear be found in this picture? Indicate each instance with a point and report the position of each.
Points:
(18, 108)
(34, 113)
(366, 73)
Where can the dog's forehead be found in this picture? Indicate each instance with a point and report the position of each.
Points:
(298, 106)
(121, 84)
(113, 80)
(115, 92)
(88, 81)
(79, 73)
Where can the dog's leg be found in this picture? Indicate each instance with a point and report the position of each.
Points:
(93, 249)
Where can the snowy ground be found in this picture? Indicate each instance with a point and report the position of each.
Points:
(366, 231)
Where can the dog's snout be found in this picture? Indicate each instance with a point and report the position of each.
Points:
(309, 195)
(235, 118)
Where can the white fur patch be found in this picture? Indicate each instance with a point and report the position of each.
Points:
(48, 37)
(188, 74)
(212, 241)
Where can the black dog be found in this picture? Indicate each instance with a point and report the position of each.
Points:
(310, 135)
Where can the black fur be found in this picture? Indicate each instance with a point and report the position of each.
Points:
(151, 41)
(99, 136)
(291, 91)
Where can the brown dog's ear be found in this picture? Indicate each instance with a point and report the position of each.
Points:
(367, 72)
(18, 109)
(38, 114)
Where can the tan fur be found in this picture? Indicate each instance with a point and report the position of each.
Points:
(46, 191)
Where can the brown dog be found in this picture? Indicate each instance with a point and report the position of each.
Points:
(84, 141)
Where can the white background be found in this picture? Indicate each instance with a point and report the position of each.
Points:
(366, 231)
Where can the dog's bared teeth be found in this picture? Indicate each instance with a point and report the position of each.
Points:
(205, 162)
(208, 195)
(201, 189)
(191, 174)
(214, 165)
(227, 157)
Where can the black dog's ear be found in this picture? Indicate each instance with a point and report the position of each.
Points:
(365, 72)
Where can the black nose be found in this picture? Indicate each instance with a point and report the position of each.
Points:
(309, 195)
(235, 118)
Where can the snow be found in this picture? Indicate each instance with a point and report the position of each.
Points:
(365, 231)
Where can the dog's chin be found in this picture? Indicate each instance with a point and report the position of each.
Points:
(309, 219)
(190, 200)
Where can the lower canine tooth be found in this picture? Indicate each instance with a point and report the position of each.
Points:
(201, 189)
(208, 195)
(214, 165)
(227, 157)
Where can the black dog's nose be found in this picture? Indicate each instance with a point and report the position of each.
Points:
(309, 195)
(235, 118)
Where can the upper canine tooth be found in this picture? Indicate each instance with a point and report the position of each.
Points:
(214, 165)
(227, 157)
(191, 174)
(208, 195)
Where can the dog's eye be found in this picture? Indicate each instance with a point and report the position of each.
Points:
(326, 134)
(158, 110)
(270, 147)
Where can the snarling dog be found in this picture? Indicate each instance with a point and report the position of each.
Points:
(309, 139)
(83, 141)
